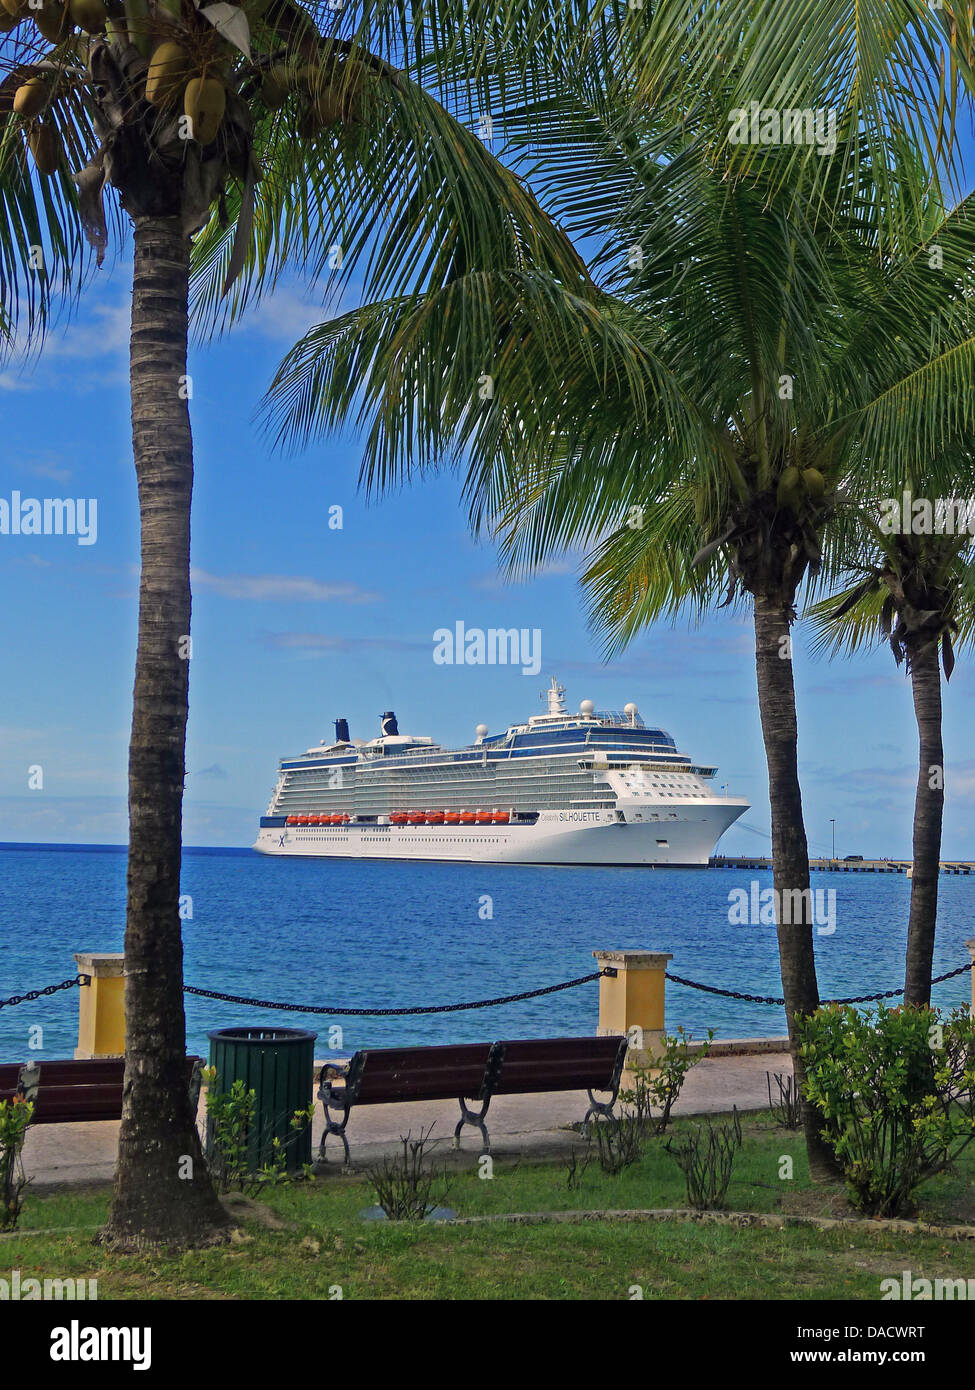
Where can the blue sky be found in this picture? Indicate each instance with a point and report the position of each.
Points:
(296, 623)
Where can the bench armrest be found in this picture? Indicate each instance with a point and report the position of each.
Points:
(331, 1072)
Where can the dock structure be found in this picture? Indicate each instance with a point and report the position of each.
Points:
(842, 866)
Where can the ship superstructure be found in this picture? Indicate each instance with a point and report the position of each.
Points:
(595, 787)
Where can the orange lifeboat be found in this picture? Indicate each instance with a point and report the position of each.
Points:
(485, 817)
(315, 820)
(302, 820)
(344, 818)
(501, 817)
(399, 818)
(467, 818)
(292, 820)
(451, 817)
(435, 818)
(416, 818)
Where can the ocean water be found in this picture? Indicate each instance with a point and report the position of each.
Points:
(372, 934)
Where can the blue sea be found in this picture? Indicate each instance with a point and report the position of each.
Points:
(369, 934)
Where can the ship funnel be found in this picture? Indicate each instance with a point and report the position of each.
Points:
(341, 731)
(390, 726)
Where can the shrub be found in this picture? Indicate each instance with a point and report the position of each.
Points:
(15, 1118)
(786, 1106)
(404, 1183)
(657, 1086)
(230, 1121)
(706, 1155)
(619, 1142)
(896, 1090)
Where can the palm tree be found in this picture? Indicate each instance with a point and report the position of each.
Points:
(916, 590)
(756, 340)
(272, 133)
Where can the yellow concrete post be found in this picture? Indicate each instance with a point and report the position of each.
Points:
(971, 952)
(101, 1005)
(632, 1002)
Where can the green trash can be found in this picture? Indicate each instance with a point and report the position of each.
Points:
(278, 1064)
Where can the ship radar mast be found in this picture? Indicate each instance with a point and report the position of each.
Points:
(556, 697)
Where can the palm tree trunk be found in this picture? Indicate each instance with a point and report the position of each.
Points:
(162, 1193)
(790, 853)
(929, 803)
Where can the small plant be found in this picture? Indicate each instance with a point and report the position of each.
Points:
(786, 1106)
(896, 1089)
(404, 1183)
(575, 1167)
(230, 1125)
(657, 1086)
(706, 1155)
(619, 1142)
(15, 1119)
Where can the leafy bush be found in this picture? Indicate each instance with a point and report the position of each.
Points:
(230, 1122)
(657, 1086)
(896, 1089)
(705, 1154)
(15, 1118)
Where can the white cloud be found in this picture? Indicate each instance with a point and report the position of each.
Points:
(288, 313)
(280, 588)
(319, 641)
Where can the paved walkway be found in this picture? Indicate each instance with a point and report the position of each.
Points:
(533, 1125)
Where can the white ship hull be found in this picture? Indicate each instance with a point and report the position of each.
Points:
(678, 838)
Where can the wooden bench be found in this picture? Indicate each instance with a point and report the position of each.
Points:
(70, 1092)
(470, 1072)
(9, 1080)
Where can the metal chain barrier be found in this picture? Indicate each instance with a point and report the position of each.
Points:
(768, 999)
(475, 1004)
(388, 1013)
(48, 989)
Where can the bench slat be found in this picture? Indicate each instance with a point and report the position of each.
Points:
(532, 1065)
(71, 1091)
(423, 1073)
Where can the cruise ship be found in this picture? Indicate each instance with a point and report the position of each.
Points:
(597, 787)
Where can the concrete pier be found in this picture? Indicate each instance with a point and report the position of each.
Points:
(842, 866)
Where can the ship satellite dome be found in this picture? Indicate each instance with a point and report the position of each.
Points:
(586, 707)
(630, 708)
(481, 730)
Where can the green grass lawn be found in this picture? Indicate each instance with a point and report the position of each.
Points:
(323, 1244)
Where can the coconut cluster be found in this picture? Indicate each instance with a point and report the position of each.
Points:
(175, 79)
(55, 21)
(797, 486)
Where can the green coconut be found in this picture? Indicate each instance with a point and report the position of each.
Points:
(53, 21)
(205, 101)
(45, 146)
(814, 483)
(277, 84)
(31, 98)
(788, 491)
(89, 15)
(170, 68)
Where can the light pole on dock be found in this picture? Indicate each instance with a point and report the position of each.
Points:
(832, 822)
